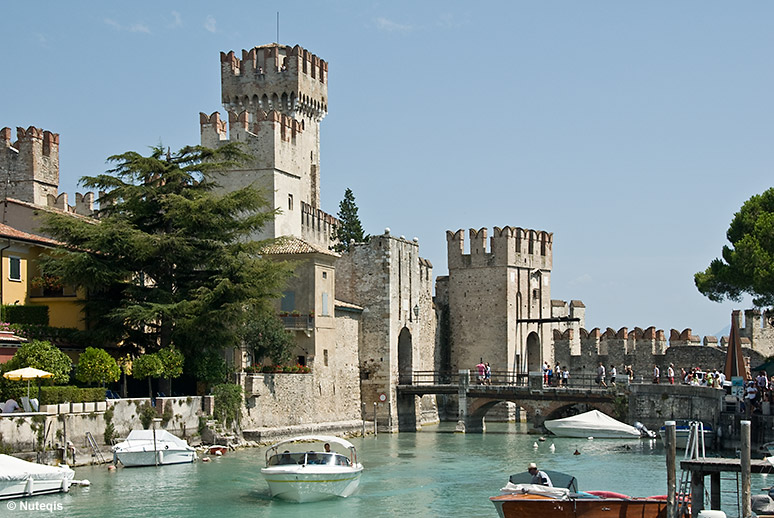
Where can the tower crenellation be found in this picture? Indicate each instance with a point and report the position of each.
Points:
(275, 77)
(509, 246)
(30, 164)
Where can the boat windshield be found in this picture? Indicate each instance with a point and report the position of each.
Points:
(323, 459)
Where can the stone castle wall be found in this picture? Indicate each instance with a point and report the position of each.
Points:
(398, 327)
(31, 164)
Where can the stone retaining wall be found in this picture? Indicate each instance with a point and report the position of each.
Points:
(58, 423)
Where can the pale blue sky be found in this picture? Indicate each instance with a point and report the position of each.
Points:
(631, 130)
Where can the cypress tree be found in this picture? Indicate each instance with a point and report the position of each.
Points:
(349, 227)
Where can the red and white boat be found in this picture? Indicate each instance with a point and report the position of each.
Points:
(520, 498)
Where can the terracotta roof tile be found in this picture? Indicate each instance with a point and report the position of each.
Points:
(12, 233)
(294, 245)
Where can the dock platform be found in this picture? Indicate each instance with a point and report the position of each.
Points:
(714, 467)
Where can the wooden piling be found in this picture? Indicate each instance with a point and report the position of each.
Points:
(670, 443)
(746, 470)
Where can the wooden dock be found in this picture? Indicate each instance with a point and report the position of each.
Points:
(714, 467)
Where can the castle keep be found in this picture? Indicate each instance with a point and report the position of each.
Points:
(275, 97)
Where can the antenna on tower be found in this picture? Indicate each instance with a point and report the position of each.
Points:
(277, 27)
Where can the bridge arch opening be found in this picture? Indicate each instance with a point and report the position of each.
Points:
(405, 357)
(534, 363)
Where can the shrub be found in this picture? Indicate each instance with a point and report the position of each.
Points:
(36, 315)
(147, 415)
(228, 403)
(110, 430)
(70, 394)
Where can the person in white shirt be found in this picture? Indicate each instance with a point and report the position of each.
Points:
(656, 374)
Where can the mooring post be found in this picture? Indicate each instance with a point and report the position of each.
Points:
(374, 418)
(364, 419)
(462, 400)
(670, 443)
(746, 470)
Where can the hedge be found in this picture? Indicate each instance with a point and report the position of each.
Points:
(15, 314)
(70, 394)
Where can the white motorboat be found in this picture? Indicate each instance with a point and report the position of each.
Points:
(592, 424)
(152, 448)
(19, 478)
(306, 471)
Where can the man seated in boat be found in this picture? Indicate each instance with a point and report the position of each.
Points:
(539, 477)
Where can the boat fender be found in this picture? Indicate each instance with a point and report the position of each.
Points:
(711, 513)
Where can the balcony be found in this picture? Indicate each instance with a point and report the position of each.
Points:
(298, 322)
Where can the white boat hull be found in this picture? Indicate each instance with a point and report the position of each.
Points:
(307, 484)
(31, 487)
(597, 434)
(157, 458)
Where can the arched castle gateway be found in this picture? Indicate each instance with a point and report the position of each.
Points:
(498, 298)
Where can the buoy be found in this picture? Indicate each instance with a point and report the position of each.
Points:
(576, 452)
(112, 467)
(542, 439)
(590, 438)
(552, 448)
(205, 459)
(535, 445)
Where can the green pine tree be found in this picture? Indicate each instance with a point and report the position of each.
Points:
(170, 262)
(349, 228)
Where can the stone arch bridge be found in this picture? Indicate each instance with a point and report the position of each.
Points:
(540, 403)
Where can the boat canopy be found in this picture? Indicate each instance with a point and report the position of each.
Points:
(161, 436)
(590, 422)
(273, 449)
(12, 468)
(558, 479)
(316, 438)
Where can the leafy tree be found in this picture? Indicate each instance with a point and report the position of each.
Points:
(96, 366)
(39, 355)
(43, 356)
(172, 362)
(747, 265)
(266, 335)
(148, 366)
(349, 227)
(209, 367)
(170, 261)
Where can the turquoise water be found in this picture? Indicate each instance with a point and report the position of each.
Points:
(431, 473)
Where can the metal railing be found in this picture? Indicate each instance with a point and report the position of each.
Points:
(302, 322)
(505, 378)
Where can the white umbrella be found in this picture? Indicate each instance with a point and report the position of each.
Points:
(27, 373)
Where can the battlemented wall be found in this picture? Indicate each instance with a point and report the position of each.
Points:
(496, 295)
(387, 277)
(643, 349)
(31, 165)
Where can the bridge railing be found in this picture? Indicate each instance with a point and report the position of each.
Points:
(499, 377)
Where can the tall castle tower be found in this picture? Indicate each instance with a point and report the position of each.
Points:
(497, 296)
(276, 96)
(30, 165)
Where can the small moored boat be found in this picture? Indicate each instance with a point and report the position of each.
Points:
(592, 424)
(307, 470)
(520, 498)
(683, 432)
(19, 478)
(152, 448)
